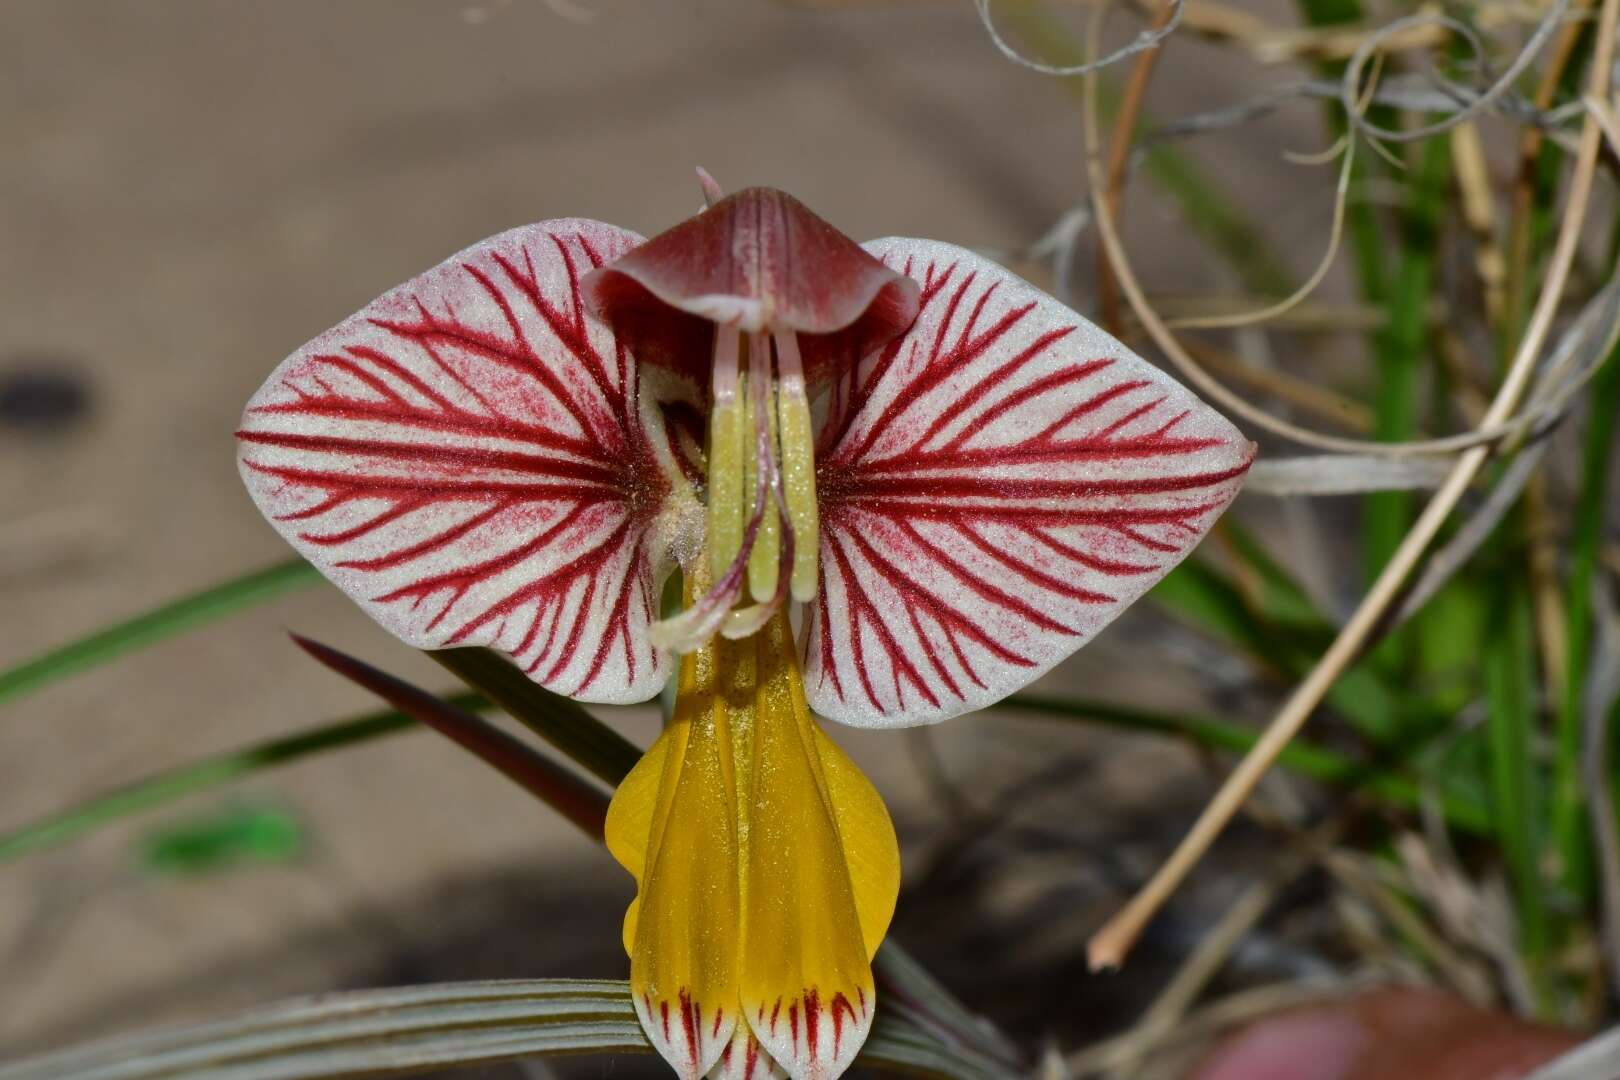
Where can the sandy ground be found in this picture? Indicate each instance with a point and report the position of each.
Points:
(189, 190)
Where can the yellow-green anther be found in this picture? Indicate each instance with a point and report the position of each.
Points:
(798, 464)
(731, 449)
(764, 559)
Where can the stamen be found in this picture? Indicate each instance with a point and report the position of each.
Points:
(773, 547)
(747, 621)
(760, 557)
(732, 472)
(761, 478)
(798, 466)
(693, 627)
(728, 450)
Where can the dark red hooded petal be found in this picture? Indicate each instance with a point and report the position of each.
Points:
(762, 260)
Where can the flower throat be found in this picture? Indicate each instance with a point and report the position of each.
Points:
(761, 543)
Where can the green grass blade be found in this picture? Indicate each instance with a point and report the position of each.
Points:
(166, 621)
(1201, 596)
(1510, 721)
(1301, 757)
(171, 785)
(1283, 601)
(1402, 349)
(565, 724)
(1586, 540)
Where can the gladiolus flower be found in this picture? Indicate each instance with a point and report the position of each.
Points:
(959, 478)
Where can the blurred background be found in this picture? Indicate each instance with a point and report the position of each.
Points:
(190, 190)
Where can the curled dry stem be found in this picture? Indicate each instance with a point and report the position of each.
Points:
(1271, 311)
(1476, 103)
(1119, 152)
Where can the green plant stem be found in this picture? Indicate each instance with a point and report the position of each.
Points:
(172, 618)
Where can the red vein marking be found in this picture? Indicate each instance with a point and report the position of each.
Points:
(812, 1020)
(841, 1005)
(689, 1023)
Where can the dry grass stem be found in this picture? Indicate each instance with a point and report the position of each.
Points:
(1479, 214)
(1361, 875)
(1309, 317)
(1546, 583)
(1298, 393)
(1265, 314)
(1524, 185)
(1119, 154)
(1110, 945)
(1145, 41)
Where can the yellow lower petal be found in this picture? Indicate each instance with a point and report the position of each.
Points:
(673, 825)
(821, 872)
(767, 869)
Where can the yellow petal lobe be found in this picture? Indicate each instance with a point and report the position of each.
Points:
(682, 930)
(821, 871)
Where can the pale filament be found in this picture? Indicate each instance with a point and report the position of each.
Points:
(768, 485)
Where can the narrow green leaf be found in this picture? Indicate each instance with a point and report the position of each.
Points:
(1300, 756)
(1200, 595)
(910, 991)
(1569, 833)
(1206, 599)
(162, 622)
(1283, 600)
(565, 724)
(1402, 348)
(1510, 728)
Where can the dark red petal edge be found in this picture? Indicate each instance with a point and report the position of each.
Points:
(996, 486)
(473, 459)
